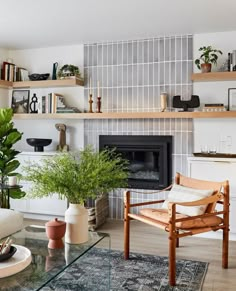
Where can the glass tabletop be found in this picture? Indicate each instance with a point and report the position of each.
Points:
(47, 264)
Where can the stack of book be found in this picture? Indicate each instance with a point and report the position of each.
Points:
(54, 103)
(10, 72)
(210, 107)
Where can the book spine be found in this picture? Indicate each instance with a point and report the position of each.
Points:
(43, 104)
(229, 62)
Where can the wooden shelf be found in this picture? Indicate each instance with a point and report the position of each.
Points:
(5, 84)
(49, 83)
(129, 115)
(214, 76)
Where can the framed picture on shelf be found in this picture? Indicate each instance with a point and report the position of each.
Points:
(232, 99)
(20, 101)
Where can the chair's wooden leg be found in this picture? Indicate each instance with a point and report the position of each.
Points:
(225, 248)
(172, 247)
(126, 225)
(177, 239)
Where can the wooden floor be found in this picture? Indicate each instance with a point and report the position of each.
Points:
(147, 239)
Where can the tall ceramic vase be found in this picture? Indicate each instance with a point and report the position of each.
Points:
(76, 218)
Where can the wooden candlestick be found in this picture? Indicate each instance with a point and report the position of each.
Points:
(99, 105)
(90, 103)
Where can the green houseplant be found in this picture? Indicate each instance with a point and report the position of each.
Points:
(9, 135)
(77, 177)
(208, 56)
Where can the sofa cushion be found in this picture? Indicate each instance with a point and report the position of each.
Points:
(180, 193)
(163, 216)
(10, 221)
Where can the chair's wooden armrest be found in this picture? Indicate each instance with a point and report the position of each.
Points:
(211, 199)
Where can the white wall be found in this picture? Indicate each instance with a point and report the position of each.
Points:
(214, 131)
(41, 61)
(3, 92)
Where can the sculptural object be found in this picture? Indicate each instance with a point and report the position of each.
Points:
(62, 137)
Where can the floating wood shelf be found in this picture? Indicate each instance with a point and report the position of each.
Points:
(129, 115)
(5, 84)
(49, 83)
(214, 76)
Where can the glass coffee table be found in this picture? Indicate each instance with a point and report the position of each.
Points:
(52, 268)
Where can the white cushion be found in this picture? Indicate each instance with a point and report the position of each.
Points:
(11, 221)
(184, 194)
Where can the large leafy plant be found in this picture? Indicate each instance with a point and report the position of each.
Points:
(77, 176)
(9, 135)
(208, 56)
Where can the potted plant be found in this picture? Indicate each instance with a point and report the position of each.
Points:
(207, 58)
(9, 135)
(77, 177)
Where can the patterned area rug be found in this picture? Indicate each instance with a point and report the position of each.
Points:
(140, 272)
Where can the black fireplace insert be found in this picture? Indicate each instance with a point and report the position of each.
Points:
(150, 158)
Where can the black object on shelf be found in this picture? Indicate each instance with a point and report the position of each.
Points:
(186, 104)
(39, 77)
(38, 143)
(33, 103)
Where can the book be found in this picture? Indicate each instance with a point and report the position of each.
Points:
(213, 104)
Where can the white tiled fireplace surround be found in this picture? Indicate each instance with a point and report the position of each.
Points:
(132, 74)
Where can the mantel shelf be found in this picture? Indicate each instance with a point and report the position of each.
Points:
(42, 84)
(129, 115)
(214, 76)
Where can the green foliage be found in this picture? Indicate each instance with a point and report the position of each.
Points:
(208, 56)
(68, 70)
(77, 176)
(8, 164)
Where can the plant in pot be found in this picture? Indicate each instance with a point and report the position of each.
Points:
(208, 56)
(77, 177)
(9, 135)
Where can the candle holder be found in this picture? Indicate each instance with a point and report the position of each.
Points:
(99, 103)
(90, 103)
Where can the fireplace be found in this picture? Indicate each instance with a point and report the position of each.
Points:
(150, 158)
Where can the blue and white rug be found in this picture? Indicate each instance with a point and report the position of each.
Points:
(140, 272)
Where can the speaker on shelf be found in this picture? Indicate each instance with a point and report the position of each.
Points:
(186, 104)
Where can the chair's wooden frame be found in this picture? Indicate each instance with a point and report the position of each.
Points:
(220, 195)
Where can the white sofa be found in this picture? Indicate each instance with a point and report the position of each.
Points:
(11, 221)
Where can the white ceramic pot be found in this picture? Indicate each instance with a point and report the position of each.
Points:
(76, 218)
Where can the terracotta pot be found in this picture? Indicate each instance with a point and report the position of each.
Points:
(55, 230)
(76, 218)
(206, 68)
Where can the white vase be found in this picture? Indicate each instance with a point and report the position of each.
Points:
(76, 218)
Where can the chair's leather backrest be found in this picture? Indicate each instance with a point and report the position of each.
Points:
(222, 187)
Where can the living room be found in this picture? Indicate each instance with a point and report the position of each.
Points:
(130, 61)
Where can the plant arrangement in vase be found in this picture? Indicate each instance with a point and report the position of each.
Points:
(207, 58)
(77, 177)
(9, 135)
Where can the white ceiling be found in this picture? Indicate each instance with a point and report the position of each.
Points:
(44, 23)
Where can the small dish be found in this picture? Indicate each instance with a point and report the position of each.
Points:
(4, 257)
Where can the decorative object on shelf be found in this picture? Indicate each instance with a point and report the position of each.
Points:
(55, 230)
(211, 107)
(186, 104)
(38, 143)
(54, 71)
(68, 71)
(99, 104)
(75, 176)
(20, 101)
(39, 77)
(231, 99)
(8, 166)
(62, 137)
(207, 58)
(33, 104)
(90, 97)
(163, 101)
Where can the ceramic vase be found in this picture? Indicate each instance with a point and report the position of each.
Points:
(76, 218)
(55, 230)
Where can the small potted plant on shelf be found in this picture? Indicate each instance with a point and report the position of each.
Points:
(9, 135)
(68, 71)
(77, 177)
(207, 58)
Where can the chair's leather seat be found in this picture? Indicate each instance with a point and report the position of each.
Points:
(162, 215)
